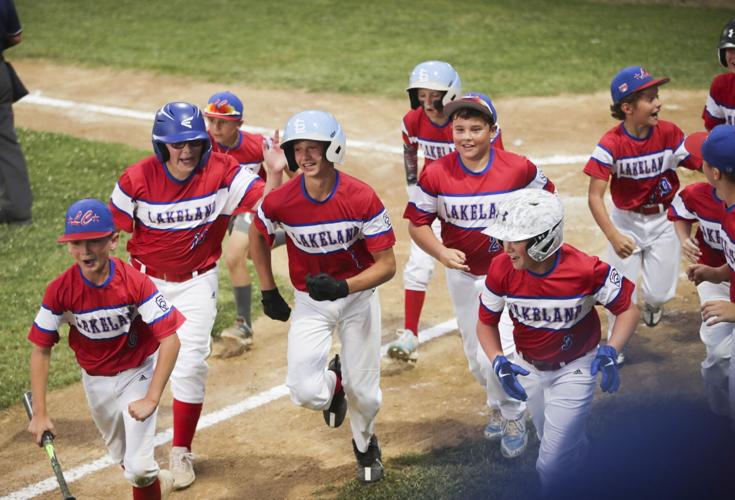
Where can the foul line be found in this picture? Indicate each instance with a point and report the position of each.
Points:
(37, 98)
(208, 420)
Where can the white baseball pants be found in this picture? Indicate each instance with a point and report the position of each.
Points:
(129, 443)
(420, 266)
(559, 402)
(197, 300)
(464, 290)
(357, 321)
(718, 341)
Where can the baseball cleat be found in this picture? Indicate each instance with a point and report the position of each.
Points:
(240, 330)
(651, 314)
(182, 467)
(406, 347)
(369, 466)
(515, 438)
(335, 414)
(494, 428)
(165, 482)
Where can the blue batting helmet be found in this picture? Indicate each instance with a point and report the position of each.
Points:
(434, 75)
(179, 122)
(314, 126)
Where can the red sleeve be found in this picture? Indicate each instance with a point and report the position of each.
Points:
(251, 198)
(490, 308)
(123, 196)
(162, 318)
(421, 208)
(45, 329)
(715, 90)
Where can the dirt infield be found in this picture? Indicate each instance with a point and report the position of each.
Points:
(279, 450)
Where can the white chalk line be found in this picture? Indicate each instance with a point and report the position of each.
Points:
(39, 99)
(208, 420)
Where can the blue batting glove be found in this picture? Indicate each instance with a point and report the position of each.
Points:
(508, 372)
(605, 362)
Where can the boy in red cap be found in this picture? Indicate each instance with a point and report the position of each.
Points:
(123, 333)
(638, 158)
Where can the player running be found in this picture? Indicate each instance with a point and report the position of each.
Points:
(551, 290)
(120, 327)
(462, 189)
(340, 248)
(177, 204)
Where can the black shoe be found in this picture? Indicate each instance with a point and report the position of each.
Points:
(335, 414)
(369, 467)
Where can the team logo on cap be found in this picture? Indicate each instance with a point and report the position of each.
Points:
(623, 87)
(642, 75)
(83, 218)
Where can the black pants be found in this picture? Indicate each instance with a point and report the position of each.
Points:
(15, 186)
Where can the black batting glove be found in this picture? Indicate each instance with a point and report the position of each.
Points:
(274, 306)
(326, 287)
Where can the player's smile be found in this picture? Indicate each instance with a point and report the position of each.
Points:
(472, 139)
(309, 156)
(646, 108)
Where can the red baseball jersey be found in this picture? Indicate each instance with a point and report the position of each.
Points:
(720, 105)
(728, 245)
(554, 315)
(112, 327)
(698, 202)
(643, 171)
(434, 140)
(465, 201)
(178, 226)
(248, 152)
(335, 236)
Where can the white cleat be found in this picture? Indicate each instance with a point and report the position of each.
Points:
(406, 347)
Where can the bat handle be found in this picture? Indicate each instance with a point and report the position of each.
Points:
(47, 438)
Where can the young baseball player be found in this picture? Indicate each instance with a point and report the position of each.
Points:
(462, 190)
(123, 333)
(720, 105)
(551, 290)
(224, 114)
(431, 85)
(340, 248)
(718, 153)
(638, 158)
(699, 203)
(177, 204)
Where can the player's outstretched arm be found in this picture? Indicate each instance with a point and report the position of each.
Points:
(168, 351)
(260, 253)
(41, 422)
(427, 241)
(701, 272)
(623, 245)
(689, 246)
(489, 338)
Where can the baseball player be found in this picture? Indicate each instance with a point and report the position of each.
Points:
(720, 105)
(462, 189)
(431, 85)
(698, 203)
(120, 327)
(224, 116)
(177, 204)
(718, 153)
(551, 290)
(340, 248)
(638, 158)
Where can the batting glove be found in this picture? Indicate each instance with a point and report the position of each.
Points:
(326, 287)
(274, 306)
(605, 362)
(508, 373)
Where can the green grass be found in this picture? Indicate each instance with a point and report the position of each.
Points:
(63, 169)
(349, 46)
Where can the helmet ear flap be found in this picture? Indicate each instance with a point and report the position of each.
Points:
(161, 151)
(413, 96)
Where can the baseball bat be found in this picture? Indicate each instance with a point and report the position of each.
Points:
(47, 441)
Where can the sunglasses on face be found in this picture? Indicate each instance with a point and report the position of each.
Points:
(199, 143)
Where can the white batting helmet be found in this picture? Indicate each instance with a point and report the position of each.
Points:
(530, 214)
(434, 75)
(314, 125)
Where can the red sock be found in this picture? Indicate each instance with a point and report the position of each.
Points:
(150, 492)
(338, 384)
(186, 417)
(414, 302)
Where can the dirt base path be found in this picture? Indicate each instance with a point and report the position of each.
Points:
(279, 450)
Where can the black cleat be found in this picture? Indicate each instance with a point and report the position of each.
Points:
(369, 467)
(335, 414)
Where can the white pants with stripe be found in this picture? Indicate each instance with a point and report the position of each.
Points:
(560, 402)
(196, 299)
(464, 290)
(356, 319)
(420, 266)
(129, 443)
